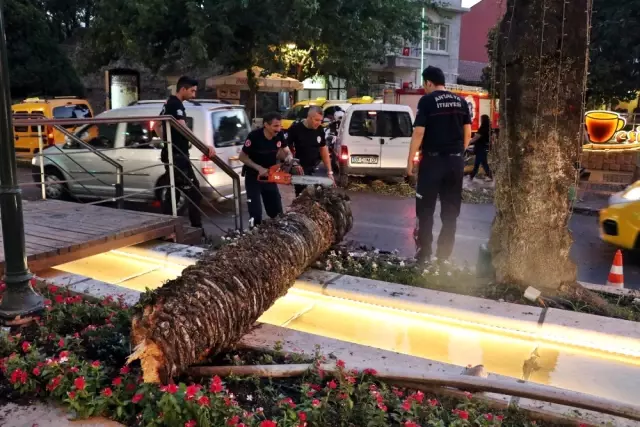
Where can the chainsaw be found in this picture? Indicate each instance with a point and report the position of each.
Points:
(291, 173)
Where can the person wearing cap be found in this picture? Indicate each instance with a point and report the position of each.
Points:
(442, 132)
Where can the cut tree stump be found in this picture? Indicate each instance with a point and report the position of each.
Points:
(216, 301)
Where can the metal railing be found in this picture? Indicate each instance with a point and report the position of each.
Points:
(38, 121)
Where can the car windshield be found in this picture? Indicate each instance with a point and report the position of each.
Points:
(392, 124)
(230, 127)
(72, 111)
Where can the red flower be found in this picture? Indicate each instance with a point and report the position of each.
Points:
(500, 418)
(340, 364)
(216, 385)
(124, 370)
(18, 376)
(26, 346)
(342, 395)
(117, 381)
(268, 423)
(71, 394)
(468, 395)
(191, 391)
(302, 416)
(59, 299)
(137, 398)
(61, 343)
(233, 421)
(203, 401)
(36, 371)
(171, 388)
(130, 387)
(74, 369)
(54, 383)
(288, 401)
(371, 372)
(47, 303)
(53, 289)
(406, 405)
(410, 424)
(95, 364)
(190, 423)
(315, 403)
(3, 286)
(107, 392)
(382, 407)
(461, 414)
(316, 387)
(79, 383)
(332, 385)
(432, 402)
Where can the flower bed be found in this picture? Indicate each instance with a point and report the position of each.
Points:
(403, 189)
(74, 356)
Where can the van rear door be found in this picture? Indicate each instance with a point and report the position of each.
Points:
(394, 129)
(362, 144)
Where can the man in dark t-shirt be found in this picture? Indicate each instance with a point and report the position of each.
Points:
(184, 175)
(306, 139)
(262, 149)
(442, 132)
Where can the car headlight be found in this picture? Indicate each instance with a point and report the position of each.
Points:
(633, 194)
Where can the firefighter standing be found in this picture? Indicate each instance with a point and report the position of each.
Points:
(261, 150)
(442, 132)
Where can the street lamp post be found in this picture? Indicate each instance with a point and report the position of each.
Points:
(422, 45)
(19, 300)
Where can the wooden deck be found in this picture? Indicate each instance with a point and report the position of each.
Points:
(58, 232)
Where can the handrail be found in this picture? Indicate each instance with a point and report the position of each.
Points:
(21, 119)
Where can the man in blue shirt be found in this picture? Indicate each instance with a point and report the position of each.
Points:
(442, 132)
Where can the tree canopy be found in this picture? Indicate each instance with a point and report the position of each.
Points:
(37, 64)
(298, 38)
(614, 53)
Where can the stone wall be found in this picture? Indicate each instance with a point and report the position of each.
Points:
(610, 160)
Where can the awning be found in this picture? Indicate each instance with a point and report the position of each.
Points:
(269, 83)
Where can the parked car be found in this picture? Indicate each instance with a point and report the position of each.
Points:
(136, 147)
(62, 107)
(374, 140)
(619, 221)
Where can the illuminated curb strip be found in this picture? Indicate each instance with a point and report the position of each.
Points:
(596, 333)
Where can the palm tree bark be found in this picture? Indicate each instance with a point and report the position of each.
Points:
(217, 301)
(541, 60)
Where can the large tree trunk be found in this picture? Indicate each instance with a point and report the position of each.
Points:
(217, 301)
(541, 88)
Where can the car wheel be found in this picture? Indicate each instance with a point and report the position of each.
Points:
(55, 187)
(343, 180)
(162, 195)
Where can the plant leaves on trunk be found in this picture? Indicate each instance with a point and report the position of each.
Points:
(216, 302)
(541, 60)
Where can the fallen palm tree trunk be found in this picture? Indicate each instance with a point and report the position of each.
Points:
(216, 301)
(434, 382)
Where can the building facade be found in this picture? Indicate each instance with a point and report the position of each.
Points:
(441, 49)
(476, 25)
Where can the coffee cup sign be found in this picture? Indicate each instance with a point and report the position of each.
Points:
(602, 126)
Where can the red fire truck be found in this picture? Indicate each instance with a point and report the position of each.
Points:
(477, 98)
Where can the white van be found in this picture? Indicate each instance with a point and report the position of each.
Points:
(136, 147)
(374, 140)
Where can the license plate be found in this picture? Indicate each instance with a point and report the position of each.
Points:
(367, 160)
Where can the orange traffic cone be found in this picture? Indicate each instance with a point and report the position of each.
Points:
(616, 278)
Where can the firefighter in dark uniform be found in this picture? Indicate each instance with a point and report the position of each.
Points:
(185, 177)
(442, 132)
(306, 139)
(262, 149)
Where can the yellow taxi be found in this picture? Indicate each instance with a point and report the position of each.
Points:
(620, 220)
(63, 107)
(300, 109)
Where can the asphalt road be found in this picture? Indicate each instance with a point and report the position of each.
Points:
(387, 222)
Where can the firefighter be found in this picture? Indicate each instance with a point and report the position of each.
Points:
(442, 132)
